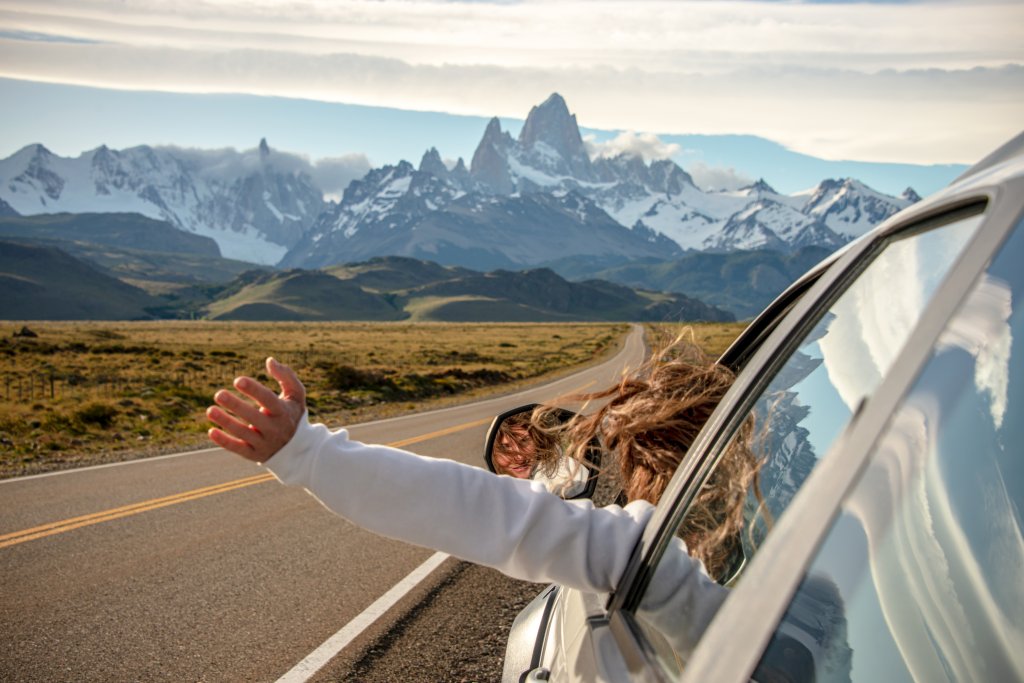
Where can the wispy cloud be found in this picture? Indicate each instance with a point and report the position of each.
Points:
(925, 81)
(648, 146)
(717, 177)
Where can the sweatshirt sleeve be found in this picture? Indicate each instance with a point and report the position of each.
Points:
(513, 525)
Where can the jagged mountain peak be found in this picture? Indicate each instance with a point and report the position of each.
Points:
(431, 163)
(551, 126)
(910, 195)
(552, 113)
(264, 149)
(760, 186)
(667, 176)
(494, 135)
(490, 160)
(39, 150)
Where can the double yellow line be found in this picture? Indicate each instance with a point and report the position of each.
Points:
(115, 513)
(60, 527)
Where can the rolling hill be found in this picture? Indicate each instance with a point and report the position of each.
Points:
(301, 295)
(45, 283)
(393, 288)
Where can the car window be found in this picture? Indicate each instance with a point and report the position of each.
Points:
(920, 576)
(816, 390)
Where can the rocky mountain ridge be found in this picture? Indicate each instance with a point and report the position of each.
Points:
(521, 202)
(254, 210)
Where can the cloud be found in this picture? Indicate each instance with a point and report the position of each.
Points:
(332, 174)
(717, 178)
(930, 82)
(647, 146)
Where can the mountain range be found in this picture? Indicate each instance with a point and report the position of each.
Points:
(521, 202)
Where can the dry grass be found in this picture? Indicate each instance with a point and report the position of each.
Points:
(90, 392)
(81, 393)
(714, 338)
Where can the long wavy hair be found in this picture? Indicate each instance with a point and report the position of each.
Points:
(647, 423)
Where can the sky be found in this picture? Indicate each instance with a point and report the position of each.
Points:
(918, 82)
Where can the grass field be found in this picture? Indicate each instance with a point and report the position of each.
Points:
(83, 393)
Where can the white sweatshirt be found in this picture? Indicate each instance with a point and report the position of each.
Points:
(513, 525)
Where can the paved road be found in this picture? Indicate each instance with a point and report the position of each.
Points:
(199, 567)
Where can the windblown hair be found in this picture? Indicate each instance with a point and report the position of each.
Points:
(530, 439)
(648, 423)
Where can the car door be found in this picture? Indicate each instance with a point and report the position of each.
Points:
(808, 382)
(853, 342)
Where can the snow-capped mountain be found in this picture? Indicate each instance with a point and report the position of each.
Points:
(522, 202)
(254, 210)
(440, 215)
(540, 197)
(550, 156)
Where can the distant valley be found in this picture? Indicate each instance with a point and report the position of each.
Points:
(51, 278)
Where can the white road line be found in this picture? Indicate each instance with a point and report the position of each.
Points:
(110, 464)
(308, 667)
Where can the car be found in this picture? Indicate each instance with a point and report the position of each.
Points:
(888, 542)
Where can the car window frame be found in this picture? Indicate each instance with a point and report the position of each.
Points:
(775, 340)
(788, 552)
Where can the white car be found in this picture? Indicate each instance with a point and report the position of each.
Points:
(893, 374)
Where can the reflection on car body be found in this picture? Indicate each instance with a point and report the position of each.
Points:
(885, 540)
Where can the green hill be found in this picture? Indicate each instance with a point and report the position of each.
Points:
(403, 288)
(121, 230)
(394, 273)
(45, 283)
(149, 254)
(549, 296)
(300, 295)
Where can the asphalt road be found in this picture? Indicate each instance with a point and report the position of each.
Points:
(200, 567)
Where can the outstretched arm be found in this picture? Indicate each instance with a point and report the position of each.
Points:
(258, 428)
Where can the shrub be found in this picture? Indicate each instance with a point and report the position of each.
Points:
(348, 378)
(98, 414)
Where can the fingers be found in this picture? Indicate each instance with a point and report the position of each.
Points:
(291, 386)
(256, 429)
(230, 424)
(259, 393)
(246, 411)
(232, 444)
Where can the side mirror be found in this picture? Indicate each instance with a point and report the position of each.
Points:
(516, 448)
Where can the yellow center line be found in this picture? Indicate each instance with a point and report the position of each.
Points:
(440, 432)
(72, 523)
(116, 513)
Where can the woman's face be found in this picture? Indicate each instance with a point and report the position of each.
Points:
(512, 457)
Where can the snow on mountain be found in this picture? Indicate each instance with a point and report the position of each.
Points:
(399, 210)
(522, 201)
(253, 206)
(851, 208)
(660, 197)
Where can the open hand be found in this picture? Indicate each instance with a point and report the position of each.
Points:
(256, 432)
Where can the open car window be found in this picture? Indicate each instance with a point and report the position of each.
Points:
(804, 406)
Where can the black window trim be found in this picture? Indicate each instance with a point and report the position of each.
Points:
(784, 329)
